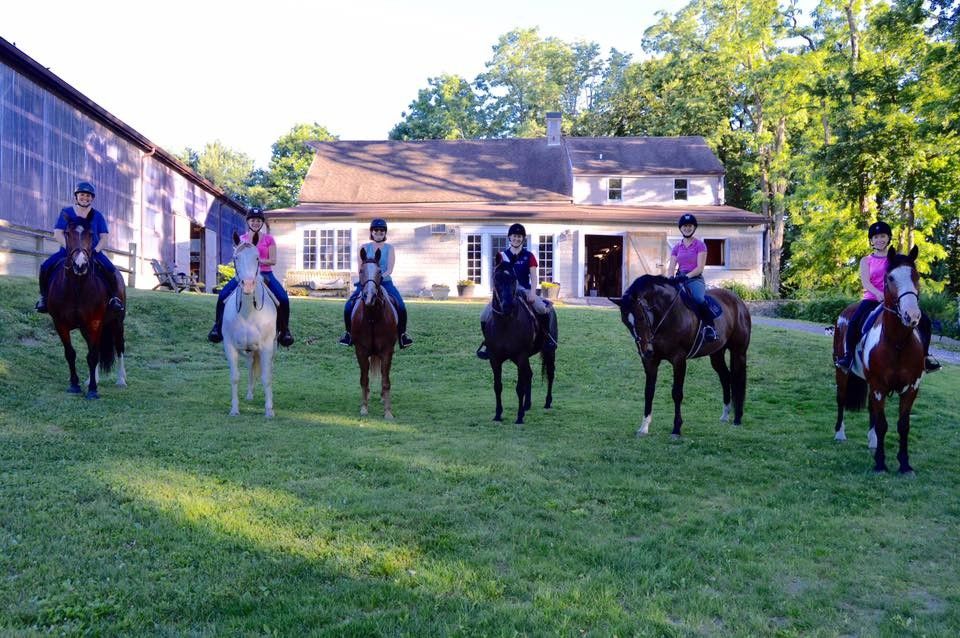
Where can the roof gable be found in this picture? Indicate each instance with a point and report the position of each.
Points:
(642, 156)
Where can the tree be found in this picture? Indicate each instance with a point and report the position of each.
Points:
(448, 109)
(289, 164)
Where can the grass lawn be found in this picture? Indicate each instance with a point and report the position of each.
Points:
(152, 512)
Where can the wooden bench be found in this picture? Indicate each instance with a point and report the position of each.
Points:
(320, 283)
(175, 281)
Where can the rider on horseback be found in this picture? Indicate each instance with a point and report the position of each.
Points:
(267, 248)
(82, 208)
(689, 257)
(873, 269)
(525, 267)
(378, 236)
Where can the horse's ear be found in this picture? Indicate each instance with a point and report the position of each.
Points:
(376, 256)
(236, 239)
(891, 253)
(363, 254)
(256, 238)
(498, 259)
(913, 253)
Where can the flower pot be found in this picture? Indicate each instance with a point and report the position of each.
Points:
(551, 292)
(440, 293)
(465, 291)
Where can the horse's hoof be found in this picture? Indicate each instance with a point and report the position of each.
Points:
(234, 412)
(548, 404)
(74, 389)
(640, 434)
(908, 472)
(92, 394)
(363, 412)
(675, 437)
(498, 418)
(518, 422)
(388, 416)
(880, 470)
(250, 396)
(268, 414)
(121, 384)
(840, 436)
(737, 424)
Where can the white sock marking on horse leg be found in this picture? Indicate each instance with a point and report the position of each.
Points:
(872, 439)
(645, 425)
(725, 415)
(122, 373)
(841, 434)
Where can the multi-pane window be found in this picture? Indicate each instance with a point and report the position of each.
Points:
(545, 258)
(680, 189)
(716, 251)
(615, 189)
(474, 249)
(309, 249)
(326, 249)
(498, 243)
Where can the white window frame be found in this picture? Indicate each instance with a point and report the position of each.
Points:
(339, 243)
(685, 189)
(611, 189)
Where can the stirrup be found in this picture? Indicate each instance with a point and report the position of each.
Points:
(405, 341)
(844, 363)
(285, 339)
(346, 339)
(115, 304)
(930, 364)
(709, 334)
(482, 352)
(41, 305)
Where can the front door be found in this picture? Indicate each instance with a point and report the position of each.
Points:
(604, 265)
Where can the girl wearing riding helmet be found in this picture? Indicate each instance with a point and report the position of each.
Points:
(267, 248)
(689, 257)
(873, 269)
(388, 257)
(83, 196)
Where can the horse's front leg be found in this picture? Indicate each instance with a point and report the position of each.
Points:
(363, 358)
(253, 366)
(719, 363)
(233, 359)
(266, 378)
(497, 366)
(386, 361)
(70, 354)
(93, 360)
(679, 374)
(903, 428)
(650, 369)
(524, 383)
(878, 421)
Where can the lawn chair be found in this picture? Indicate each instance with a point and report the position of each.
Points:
(174, 281)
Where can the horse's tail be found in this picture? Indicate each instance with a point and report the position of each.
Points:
(375, 362)
(856, 397)
(108, 344)
(548, 356)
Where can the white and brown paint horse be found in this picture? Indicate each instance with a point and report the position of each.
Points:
(373, 327)
(892, 359)
(250, 327)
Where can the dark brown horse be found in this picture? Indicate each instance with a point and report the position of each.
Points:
(664, 328)
(374, 330)
(511, 334)
(78, 301)
(891, 359)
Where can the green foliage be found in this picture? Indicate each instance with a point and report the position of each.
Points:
(290, 162)
(822, 308)
(151, 512)
(225, 272)
(747, 293)
(448, 109)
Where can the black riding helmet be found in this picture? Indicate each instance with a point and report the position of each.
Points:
(517, 229)
(84, 187)
(256, 213)
(687, 218)
(378, 224)
(879, 228)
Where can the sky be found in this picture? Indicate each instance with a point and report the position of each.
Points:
(188, 73)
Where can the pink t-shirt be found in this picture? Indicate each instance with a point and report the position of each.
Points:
(877, 266)
(687, 255)
(263, 247)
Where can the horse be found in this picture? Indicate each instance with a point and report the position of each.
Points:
(510, 332)
(77, 300)
(892, 359)
(664, 328)
(373, 326)
(250, 326)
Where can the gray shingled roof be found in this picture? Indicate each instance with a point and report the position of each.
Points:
(642, 156)
(437, 171)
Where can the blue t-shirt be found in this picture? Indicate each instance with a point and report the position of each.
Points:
(522, 263)
(385, 251)
(98, 224)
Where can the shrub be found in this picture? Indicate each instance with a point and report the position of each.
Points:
(466, 282)
(549, 284)
(225, 272)
(747, 293)
(821, 307)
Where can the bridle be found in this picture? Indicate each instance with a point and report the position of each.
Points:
(377, 280)
(649, 319)
(258, 279)
(497, 305)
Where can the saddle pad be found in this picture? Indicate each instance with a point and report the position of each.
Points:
(856, 366)
(715, 309)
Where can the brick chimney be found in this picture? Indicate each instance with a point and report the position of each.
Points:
(553, 128)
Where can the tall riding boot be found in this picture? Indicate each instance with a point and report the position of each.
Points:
(216, 335)
(930, 363)
(283, 325)
(546, 339)
(113, 292)
(706, 316)
(44, 288)
(405, 340)
(346, 339)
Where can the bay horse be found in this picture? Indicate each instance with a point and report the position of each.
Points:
(373, 326)
(510, 332)
(77, 300)
(891, 359)
(250, 326)
(664, 328)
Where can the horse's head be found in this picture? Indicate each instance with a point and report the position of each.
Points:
(504, 286)
(371, 276)
(647, 298)
(901, 291)
(78, 242)
(246, 261)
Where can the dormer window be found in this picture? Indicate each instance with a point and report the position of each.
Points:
(680, 189)
(614, 189)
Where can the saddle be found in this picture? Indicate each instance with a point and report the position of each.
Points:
(857, 364)
(715, 309)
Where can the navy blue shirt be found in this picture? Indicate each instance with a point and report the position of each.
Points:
(522, 263)
(98, 223)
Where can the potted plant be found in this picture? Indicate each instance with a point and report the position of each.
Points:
(550, 290)
(465, 288)
(440, 291)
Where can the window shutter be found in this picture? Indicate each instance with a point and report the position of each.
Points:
(743, 253)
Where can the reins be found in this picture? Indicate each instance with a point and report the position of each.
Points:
(259, 282)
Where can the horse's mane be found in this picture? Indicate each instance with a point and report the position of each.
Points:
(643, 282)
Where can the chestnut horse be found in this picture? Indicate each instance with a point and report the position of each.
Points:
(664, 328)
(373, 326)
(510, 332)
(890, 358)
(77, 300)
